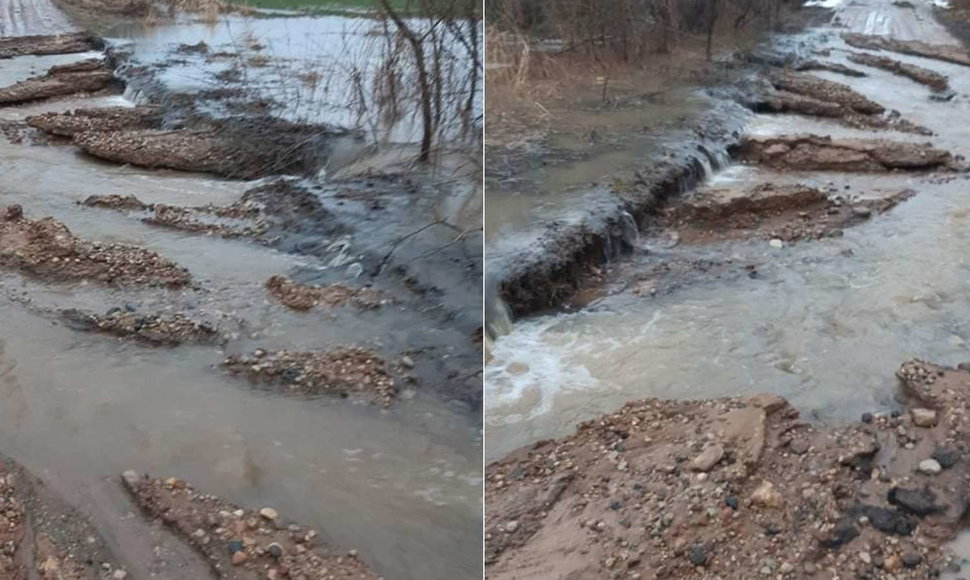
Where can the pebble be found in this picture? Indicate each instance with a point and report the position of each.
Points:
(923, 417)
(861, 211)
(766, 495)
(708, 458)
(892, 563)
(235, 546)
(776, 243)
(697, 555)
(930, 467)
(731, 501)
(239, 558)
(511, 526)
(912, 559)
(865, 557)
(119, 575)
(269, 513)
(275, 550)
(798, 446)
(945, 457)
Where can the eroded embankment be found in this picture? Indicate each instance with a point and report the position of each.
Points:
(732, 487)
(242, 543)
(817, 153)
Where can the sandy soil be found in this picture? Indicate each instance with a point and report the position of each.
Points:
(728, 488)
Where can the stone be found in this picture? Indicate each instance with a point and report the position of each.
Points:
(798, 446)
(923, 417)
(861, 211)
(892, 563)
(239, 557)
(119, 575)
(912, 558)
(947, 458)
(776, 243)
(130, 477)
(269, 513)
(786, 568)
(919, 502)
(866, 557)
(930, 467)
(235, 546)
(511, 526)
(275, 550)
(731, 501)
(766, 496)
(697, 555)
(708, 458)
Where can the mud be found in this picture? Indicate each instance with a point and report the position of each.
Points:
(772, 212)
(823, 90)
(152, 329)
(242, 543)
(305, 297)
(45, 248)
(346, 372)
(946, 53)
(95, 120)
(812, 152)
(87, 77)
(934, 80)
(67, 43)
(786, 102)
(730, 486)
(44, 539)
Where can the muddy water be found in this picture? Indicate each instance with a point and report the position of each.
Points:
(824, 323)
(402, 487)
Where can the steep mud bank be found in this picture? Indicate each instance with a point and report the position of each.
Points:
(67, 43)
(93, 120)
(85, 77)
(934, 80)
(732, 487)
(815, 153)
(242, 543)
(946, 53)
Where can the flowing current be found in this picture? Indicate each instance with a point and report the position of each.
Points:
(824, 323)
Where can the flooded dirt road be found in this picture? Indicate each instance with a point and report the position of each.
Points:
(823, 323)
(400, 486)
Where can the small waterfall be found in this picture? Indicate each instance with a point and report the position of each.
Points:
(498, 317)
(630, 230)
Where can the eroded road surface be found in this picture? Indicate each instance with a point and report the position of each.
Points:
(811, 270)
(119, 328)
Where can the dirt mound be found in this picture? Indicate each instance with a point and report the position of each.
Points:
(43, 538)
(153, 329)
(945, 53)
(345, 372)
(46, 248)
(115, 201)
(768, 211)
(305, 297)
(823, 90)
(86, 77)
(246, 148)
(95, 120)
(240, 543)
(811, 152)
(41, 45)
(936, 81)
(734, 488)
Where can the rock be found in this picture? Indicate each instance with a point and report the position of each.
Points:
(843, 533)
(269, 513)
(912, 558)
(130, 477)
(697, 555)
(119, 574)
(919, 502)
(787, 568)
(731, 501)
(798, 446)
(923, 417)
(776, 243)
(239, 557)
(766, 496)
(861, 211)
(708, 458)
(511, 526)
(892, 563)
(275, 550)
(945, 457)
(865, 557)
(930, 467)
(407, 362)
(867, 417)
(235, 546)
(888, 521)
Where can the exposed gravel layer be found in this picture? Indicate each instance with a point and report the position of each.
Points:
(152, 329)
(737, 488)
(936, 81)
(93, 120)
(55, 44)
(305, 297)
(86, 77)
(812, 152)
(242, 544)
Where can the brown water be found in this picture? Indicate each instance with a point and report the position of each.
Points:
(824, 323)
(402, 486)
